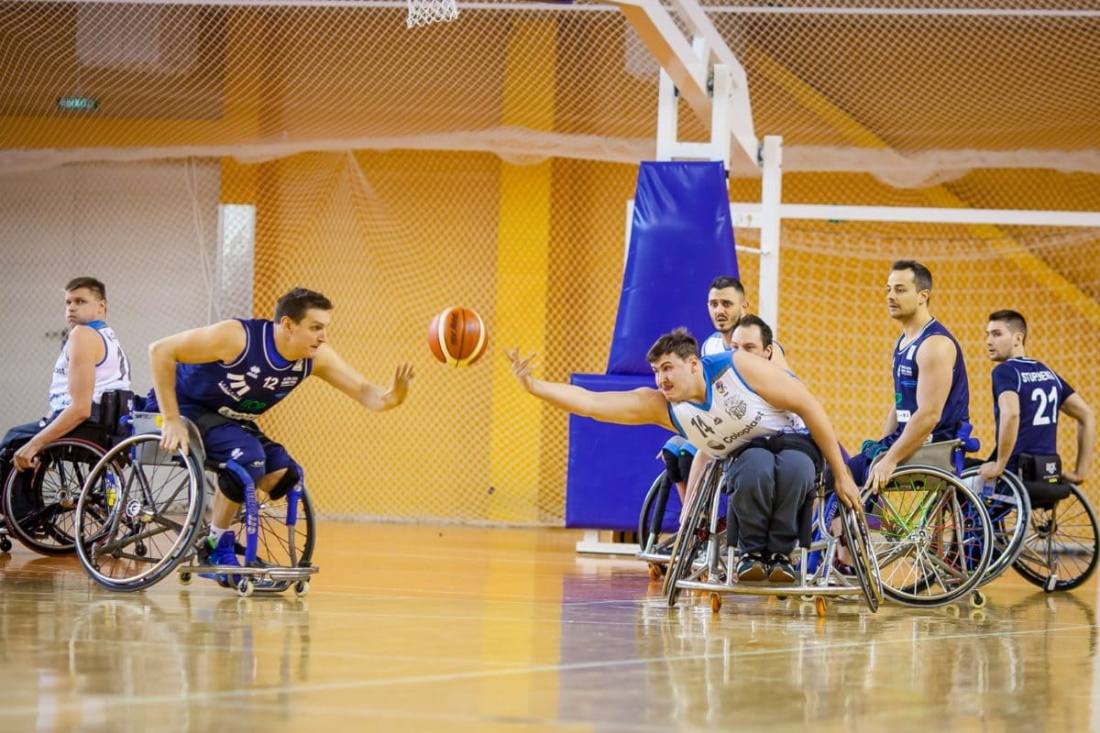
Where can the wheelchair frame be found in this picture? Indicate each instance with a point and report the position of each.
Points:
(143, 510)
(699, 561)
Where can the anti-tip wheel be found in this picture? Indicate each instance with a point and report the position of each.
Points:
(245, 587)
(5, 545)
(185, 578)
(656, 572)
(715, 602)
(301, 587)
(977, 599)
(819, 606)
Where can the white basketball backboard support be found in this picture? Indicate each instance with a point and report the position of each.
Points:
(704, 75)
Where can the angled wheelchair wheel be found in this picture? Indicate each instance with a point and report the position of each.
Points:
(931, 536)
(660, 509)
(1009, 508)
(152, 507)
(1060, 549)
(40, 503)
(279, 543)
(857, 536)
(694, 534)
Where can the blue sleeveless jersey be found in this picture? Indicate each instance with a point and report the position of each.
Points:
(244, 389)
(957, 408)
(1041, 393)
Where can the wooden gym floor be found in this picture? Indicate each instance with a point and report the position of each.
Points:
(418, 628)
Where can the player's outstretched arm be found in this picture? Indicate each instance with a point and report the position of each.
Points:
(1076, 407)
(331, 367)
(637, 407)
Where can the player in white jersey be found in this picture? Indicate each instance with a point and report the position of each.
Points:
(729, 406)
(727, 305)
(91, 362)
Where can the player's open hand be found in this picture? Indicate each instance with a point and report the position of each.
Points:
(401, 378)
(521, 367)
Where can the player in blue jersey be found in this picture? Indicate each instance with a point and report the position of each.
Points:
(91, 362)
(728, 405)
(931, 391)
(1027, 397)
(224, 376)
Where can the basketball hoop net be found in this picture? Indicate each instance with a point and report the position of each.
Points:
(423, 12)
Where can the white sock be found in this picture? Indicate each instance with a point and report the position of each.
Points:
(216, 533)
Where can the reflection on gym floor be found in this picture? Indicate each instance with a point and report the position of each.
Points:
(477, 629)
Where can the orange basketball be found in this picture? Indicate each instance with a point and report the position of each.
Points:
(457, 337)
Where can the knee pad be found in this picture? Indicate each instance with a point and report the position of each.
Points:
(672, 464)
(685, 464)
(230, 485)
(287, 482)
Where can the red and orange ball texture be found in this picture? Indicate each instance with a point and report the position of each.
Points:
(457, 337)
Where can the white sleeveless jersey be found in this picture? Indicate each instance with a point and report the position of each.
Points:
(113, 372)
(733, 413)
(713, 344)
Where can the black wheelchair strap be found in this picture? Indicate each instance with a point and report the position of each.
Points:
(788, 441)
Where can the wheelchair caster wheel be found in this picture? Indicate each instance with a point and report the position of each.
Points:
(5, 545)
(715, 602)
(140, 550)
(1049, 586)
(819, 606)
(301, 587)
(977, 599)
(245, 587)
(185, 578)
(656, 572)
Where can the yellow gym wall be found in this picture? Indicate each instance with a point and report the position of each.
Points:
(535, 246)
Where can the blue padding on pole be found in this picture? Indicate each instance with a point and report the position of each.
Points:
(681, 238)
(610, 466)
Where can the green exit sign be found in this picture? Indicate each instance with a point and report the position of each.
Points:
(78, 104)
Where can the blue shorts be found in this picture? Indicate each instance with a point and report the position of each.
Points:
(246, 445)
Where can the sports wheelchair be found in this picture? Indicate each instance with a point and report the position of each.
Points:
(703, 559)
(39, 504)
(1045, 529)
(141, 516)
(931, 534)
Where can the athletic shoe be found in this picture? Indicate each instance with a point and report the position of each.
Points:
(751, 568)
(780, 569)
(222, 552)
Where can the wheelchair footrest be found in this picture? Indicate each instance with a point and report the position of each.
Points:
(769, 589)
(276, 573)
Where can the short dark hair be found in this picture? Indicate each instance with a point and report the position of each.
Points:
(922, 276)
(728, 281)
(1013, 319)
(765, 330)
(678, 342)
(90, 283)
(294, 304)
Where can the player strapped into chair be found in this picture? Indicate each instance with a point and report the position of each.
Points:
(38, 503)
